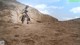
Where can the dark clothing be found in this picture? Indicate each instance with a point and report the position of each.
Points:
(23, 18)
(25, 15)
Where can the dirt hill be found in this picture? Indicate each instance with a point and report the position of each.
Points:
(42, 29)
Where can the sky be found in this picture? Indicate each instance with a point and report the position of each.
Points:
(60, 9)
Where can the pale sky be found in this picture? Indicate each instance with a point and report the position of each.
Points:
(61, 9)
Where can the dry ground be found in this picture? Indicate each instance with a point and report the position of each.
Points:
(58, 33)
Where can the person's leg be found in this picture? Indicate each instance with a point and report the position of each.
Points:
(28, 20)
(23, 18)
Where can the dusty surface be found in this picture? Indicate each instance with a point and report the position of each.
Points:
(41, 34)
(42, 30)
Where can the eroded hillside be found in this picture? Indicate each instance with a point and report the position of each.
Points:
(42, 30)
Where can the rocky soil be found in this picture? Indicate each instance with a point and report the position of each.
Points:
(42, 29)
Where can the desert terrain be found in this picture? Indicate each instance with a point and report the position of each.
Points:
(41, 30)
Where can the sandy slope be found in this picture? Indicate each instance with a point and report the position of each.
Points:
(42, 30)
(41, 34)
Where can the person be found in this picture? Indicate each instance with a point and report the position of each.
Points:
(25, 15)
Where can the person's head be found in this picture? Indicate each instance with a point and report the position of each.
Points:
(26, 6)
